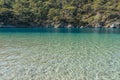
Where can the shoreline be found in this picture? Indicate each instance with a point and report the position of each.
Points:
(61, 25)
(60, 30)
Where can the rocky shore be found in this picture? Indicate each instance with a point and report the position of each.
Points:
(115, 24)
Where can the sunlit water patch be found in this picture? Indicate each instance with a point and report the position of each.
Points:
(59, 56)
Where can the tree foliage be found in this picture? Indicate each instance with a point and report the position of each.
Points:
(70, 11)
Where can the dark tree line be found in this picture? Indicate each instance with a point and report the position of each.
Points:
(80, 12)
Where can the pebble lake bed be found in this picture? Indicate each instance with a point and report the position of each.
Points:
(59, 54)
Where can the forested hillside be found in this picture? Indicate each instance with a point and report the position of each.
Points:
(59, 12)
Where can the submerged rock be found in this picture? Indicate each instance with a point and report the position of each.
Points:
(70, 26)
(57, 25)
(81, 26)
(88, 26)
(99, 25)
(115, 25)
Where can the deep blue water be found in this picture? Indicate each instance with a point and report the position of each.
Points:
(62, 30)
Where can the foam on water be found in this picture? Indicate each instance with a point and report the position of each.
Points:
(59, 56)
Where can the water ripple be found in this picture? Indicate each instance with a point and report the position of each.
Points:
(59, 56)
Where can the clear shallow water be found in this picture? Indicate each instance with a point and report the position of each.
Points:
(47, 55)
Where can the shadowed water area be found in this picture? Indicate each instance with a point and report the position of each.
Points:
(59, 54)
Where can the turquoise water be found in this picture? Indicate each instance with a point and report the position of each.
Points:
(52, 55)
